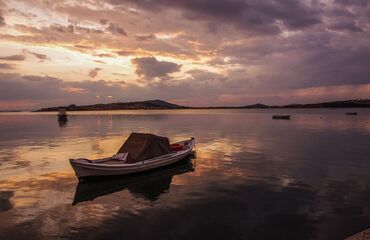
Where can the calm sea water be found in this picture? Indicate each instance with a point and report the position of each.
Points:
(252, 177)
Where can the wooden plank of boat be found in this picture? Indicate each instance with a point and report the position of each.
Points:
(280, 116)
(361, 235)
(116, 165)
(351, 113)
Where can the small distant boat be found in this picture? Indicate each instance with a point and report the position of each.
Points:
(140, 152)
(62, 115)
(351, 113)
(280, 116)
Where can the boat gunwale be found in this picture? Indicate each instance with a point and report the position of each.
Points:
(150, 161)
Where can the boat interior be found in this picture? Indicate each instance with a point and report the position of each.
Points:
(120, 158)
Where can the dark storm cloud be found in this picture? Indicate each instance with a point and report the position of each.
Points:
(345, 24)
(245, 45)
(14, 58)
(363, 3)
(316, 66)
(150, 67)
(326, 67)
(255, 15)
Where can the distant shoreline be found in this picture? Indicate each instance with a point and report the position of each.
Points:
(163, 105)
(190, 108)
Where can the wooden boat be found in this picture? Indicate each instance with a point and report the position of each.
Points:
(148, 185)
(351, 113)
(62, 115)
(280, 116)
(140, 152)
(360, 235)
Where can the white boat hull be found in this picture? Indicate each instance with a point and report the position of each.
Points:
(88, 169)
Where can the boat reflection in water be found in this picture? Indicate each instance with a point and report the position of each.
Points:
(148, 185)
(62, 122)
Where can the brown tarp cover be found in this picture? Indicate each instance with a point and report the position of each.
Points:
(142, 146)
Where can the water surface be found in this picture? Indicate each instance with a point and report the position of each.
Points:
(252, 178)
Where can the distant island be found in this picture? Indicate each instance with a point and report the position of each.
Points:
(160, 104)
(150, 104)
(357, 103)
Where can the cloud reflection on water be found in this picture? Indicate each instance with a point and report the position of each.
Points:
(250, 171)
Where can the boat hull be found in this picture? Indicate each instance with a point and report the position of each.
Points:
(287, 117)
(83, 170)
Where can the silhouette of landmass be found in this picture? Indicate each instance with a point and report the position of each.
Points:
(160, 104)
(150, 104)
(358, 103)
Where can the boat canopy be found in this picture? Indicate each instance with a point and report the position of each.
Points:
(142, 146)
(62, 111)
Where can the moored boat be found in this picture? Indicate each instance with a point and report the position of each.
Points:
(62, 115)
(147, 185)
(276, 116)
(140, 152)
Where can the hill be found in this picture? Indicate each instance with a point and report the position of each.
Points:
(257, 105)
(150, 104)
(359, 103)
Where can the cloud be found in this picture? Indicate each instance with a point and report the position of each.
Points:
(124, 53)
(62, 29)
(260, 16)
(40, 56)
(145, 37)
(219, 48)
(15, 87)
(362, 3)
(14, 58)
(115, 29)
(94, 72)
(206, 76)
(347, 24)
(99, 61)
(150, 67)
(42, 91)
(83, 47)
(103, 21)
(105, 55)
(2, 21)
(7, 66)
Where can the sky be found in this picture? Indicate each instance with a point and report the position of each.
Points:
(188, 52)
